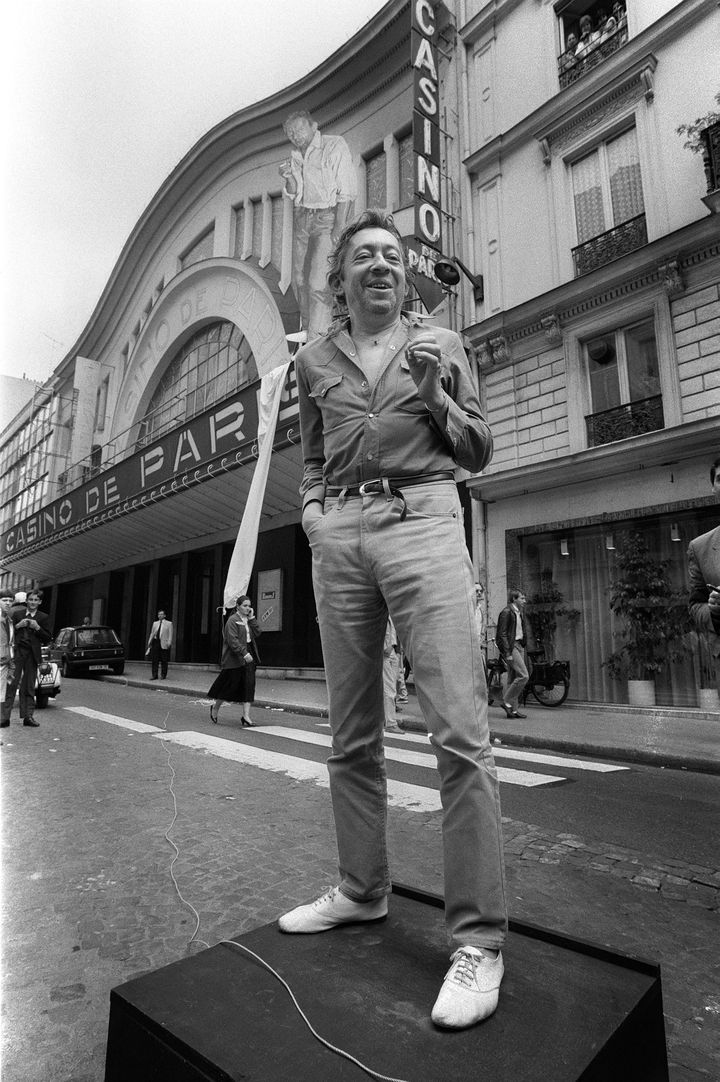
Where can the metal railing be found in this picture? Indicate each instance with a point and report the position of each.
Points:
(570, 69)
(620, 422)
(711, 155)
(610, 245)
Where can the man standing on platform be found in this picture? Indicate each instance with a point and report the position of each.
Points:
(159, 643)
(32, 631)
(387, 412)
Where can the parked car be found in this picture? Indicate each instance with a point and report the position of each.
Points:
(91, 648)
(48, 680)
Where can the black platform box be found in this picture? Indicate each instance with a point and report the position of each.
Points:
(569, 1010)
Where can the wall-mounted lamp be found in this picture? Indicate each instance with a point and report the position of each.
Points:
(675, 532)
(564, 550)
(448, 270)
(609, 542)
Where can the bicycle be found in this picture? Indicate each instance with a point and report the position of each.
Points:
(549, 681)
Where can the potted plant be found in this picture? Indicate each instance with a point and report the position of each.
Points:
(702, 136)
(654, 619)
(699, 648)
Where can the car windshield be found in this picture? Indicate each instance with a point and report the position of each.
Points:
(97, 636)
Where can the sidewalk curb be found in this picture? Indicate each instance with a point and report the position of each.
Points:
(638, 756)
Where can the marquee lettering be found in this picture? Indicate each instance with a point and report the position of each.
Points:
(426, 130)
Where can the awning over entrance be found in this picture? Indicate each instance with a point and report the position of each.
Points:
(189, 515)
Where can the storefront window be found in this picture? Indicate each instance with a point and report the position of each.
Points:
(570, 577)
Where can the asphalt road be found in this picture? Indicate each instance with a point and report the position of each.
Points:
(665, 814)
(95, 799)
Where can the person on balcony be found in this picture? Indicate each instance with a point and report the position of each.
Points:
(568, 59)
(589, 38)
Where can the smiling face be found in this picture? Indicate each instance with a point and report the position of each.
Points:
(33, 601)
(373, 277)
(300, 132)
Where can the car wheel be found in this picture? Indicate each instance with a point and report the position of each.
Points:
(66, 668)
(41, 701)
(119, 669)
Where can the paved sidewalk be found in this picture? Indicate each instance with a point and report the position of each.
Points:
(681, 739)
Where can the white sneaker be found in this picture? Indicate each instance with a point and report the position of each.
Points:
(299, 337)
(470, 990)
(332, 909)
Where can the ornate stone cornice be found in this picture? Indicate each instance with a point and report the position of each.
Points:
(659, 265)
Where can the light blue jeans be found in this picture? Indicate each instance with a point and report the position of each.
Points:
(366, 562)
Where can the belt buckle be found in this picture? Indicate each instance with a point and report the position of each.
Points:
(363, 489)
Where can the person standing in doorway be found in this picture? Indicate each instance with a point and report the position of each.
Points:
(386, 415)
(320, 180)
(159, 643)
(511, 641)
(32, 631)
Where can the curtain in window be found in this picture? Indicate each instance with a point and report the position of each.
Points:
(586, 631)
(625, 180)
(587, 189)
(407, 171)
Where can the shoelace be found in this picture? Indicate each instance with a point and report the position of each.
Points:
(327, 897)
(463, 971)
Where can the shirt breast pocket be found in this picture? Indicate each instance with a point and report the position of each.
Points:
(326, 393)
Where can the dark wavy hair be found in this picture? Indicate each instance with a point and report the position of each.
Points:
(369, 219)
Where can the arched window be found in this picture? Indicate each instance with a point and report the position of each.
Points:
(214, 364)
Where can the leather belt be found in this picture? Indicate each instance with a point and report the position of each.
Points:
(379, 485)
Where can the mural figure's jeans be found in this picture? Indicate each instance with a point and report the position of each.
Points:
(364, 559)
(312, 244)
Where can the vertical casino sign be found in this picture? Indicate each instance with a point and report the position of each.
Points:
(426, 124)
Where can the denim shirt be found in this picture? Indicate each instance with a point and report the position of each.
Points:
(353, 432)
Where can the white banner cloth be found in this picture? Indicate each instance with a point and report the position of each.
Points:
(243, 557)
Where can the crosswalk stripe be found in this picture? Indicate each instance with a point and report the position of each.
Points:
(539, 757)
(114, 719)
(424, 759)
(400, 794)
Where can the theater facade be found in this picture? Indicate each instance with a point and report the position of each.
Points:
(587, 289)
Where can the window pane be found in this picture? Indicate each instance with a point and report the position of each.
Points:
(587, 189)
(625, 182)
(603, 371)
(642, 361)
(376, 191)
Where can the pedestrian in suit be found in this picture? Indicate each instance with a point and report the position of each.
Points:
(159, 643)
(7, 646)
(511, 640)
(31, 632)
(236, 682)
(704, 581)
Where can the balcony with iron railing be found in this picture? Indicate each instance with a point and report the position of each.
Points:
(621, 422)
(572, 67)
(610, 245)
(710, 139)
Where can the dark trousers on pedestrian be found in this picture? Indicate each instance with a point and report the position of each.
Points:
(158, 659)
(24, 677)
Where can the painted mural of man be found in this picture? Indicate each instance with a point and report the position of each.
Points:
(320, 179)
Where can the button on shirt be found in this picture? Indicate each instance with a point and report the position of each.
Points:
(353, 432)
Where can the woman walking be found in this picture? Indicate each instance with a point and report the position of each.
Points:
(236, 681)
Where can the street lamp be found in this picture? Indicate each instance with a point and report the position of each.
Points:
(447, 271)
